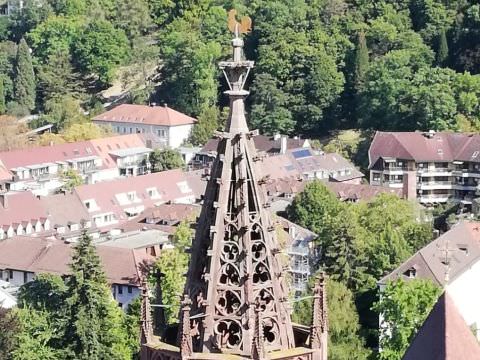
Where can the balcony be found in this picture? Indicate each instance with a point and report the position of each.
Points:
(431, 185)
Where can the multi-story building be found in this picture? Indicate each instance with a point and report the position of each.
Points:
(431, 167)
(168, 127)
(40, 169)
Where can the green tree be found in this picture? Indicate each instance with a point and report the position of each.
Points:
(442, 48)
(57, 78)
(133, 17)
(24, 77)
(99, 49)
(71, 179)
(191, 48)
(166, 159)
(63, 112)
(404, 306)
(182, 237)
(315, 208)
(95, 326)
(207, 124)
(9, 328)
(344, 340)
(2, 97)
(361, 62)
(55, 36)
(36, 336)
(270, 113)
(45, 292)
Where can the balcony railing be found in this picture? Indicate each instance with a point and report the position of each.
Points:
(396, 168)
(434, 170)
(436, 183)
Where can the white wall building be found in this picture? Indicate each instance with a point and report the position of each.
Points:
(168, 127)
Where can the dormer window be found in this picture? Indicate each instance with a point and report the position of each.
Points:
(411, 273)
(463, 249)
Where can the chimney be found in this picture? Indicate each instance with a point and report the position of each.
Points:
(4, 200)
(165, 105)
(410, 185)
(283, 144)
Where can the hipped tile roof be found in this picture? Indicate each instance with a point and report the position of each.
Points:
(144, 114)
(418, 146)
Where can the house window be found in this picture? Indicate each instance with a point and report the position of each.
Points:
(25, 277)
(130, 289)
(87, 204)
(161, 133)
(10, 274)
(131, 130)
(131, 196)
(120, 289)
(120, 305)
(1, 274)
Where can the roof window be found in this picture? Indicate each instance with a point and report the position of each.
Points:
(475, 154)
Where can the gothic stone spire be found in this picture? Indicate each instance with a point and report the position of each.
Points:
(235, 260)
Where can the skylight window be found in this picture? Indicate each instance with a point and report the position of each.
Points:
(475, 154)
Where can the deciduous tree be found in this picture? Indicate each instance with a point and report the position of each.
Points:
(404, 306)
(166, 159)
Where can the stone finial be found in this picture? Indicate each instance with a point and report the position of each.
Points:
(319, 328)
(186, 346)
(258, 351)
(146, 332)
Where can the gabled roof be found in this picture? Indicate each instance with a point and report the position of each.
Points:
(463, 242)
(167, 186)
(38, 255)
(144, 114)
(418, 146)
(21, 206)
(63, 152)
(444, 335)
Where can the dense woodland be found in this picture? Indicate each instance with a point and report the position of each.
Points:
(321, 66)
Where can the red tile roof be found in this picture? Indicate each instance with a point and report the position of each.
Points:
(37, 255)
(62, 152)
(143, 114)
(444, 335)
(170, 185)
(22, 206)
(418, 146)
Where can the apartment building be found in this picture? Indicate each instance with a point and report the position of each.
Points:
(430, 167)
(166, 126)
(39, 169)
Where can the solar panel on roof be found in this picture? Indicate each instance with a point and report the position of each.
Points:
(301, 153)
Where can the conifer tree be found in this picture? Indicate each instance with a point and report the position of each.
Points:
(2, 97)
(95, 329)
(442, 48)
(24, 77)
(361, 62)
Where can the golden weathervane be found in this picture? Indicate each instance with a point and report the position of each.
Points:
(242, 27)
